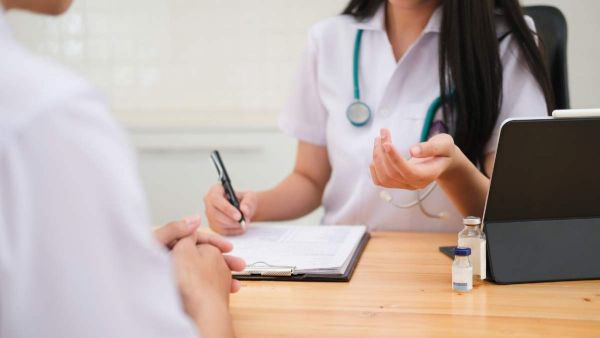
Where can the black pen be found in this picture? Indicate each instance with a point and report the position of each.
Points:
(226, 182)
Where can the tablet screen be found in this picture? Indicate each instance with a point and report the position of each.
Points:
(546, 169)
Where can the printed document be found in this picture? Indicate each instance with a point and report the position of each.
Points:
(309, 249)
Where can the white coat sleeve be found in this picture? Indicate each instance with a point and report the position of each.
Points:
(304, 115)
(522, 96)
(78, 256)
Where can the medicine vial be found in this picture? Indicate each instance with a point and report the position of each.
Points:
(473, 238)
(462, 271)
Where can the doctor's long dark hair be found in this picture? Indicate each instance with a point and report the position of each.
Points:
(469, 58)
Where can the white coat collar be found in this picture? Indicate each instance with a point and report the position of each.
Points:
(377, 21)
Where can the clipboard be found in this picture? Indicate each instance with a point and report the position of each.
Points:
(265, 272)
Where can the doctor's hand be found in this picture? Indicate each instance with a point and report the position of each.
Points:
(222, 216)
(429, 161)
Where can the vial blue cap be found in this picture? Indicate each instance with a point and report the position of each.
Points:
(462, 251)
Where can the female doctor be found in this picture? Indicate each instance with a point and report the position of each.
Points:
(397, 110)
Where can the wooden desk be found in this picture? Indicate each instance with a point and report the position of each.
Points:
(402, 288)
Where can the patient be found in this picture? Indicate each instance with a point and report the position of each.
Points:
(76, 258)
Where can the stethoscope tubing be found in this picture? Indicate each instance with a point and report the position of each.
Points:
(351, 113)
(431, 111)
(356, 63)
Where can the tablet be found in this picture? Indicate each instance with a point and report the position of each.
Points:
(542, 216)
(575, 113)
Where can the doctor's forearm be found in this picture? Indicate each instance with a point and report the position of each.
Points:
(294, 197)
(465, 185)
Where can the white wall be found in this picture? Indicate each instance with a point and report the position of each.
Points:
(188, 76)
(216, 62)
(176, 170)
(182, 62)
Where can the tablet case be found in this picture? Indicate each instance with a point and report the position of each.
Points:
(542, 217)
(344, 277)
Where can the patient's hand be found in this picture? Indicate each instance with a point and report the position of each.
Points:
(172, 233)
(204, 279)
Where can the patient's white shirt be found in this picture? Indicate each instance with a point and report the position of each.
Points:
(77, 258)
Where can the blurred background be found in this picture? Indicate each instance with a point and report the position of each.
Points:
(189, 76)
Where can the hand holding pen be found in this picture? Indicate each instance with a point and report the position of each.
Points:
(228, 212)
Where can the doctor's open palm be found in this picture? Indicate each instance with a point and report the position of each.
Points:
(430, 160)
(222, 216)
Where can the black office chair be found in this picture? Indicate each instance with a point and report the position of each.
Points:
(551, 26)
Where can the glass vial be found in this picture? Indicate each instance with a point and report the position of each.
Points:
(472, 237)
(462, 271)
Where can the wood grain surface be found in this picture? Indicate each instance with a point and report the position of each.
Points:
(402, 288)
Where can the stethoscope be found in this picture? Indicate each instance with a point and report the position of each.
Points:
(359, 115)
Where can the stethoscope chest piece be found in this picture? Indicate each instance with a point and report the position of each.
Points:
(359, 114)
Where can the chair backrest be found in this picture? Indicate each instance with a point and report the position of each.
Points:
(551, 26)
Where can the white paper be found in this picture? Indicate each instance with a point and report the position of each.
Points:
(307, 248)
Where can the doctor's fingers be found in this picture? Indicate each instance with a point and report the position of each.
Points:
(233, 231)
(408, 170)
(432, 168)
(412, 176)
(223, 224)
(393, 170)
(227, 231)
(248, 204)
(221, 219)
(379, 156)
(220, 222)
(395, 164)
(374, 176)
(439, 145)
(383, 180)
(386, 135)
(421, 172)
(378, 148)
(386, 172)
(216, 199)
